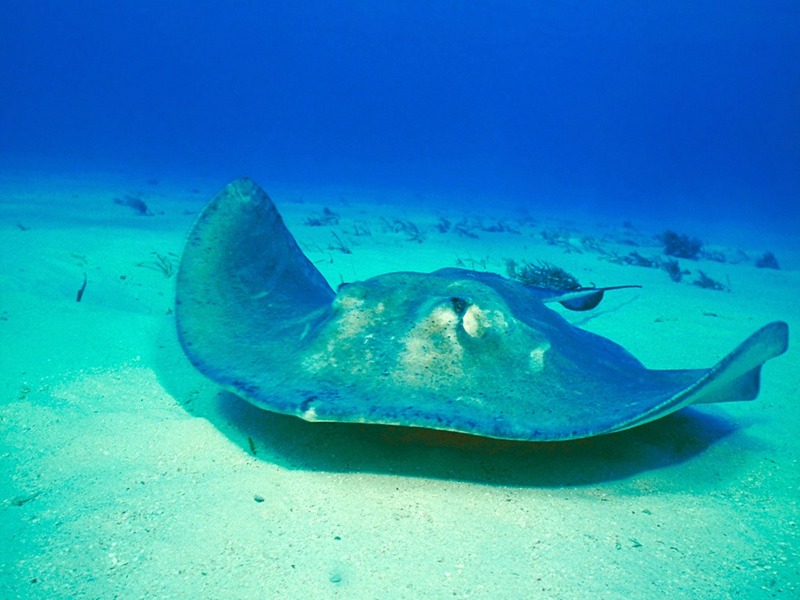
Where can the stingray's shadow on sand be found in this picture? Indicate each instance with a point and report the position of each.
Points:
(338, 447)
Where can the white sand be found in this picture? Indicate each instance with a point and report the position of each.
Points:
(125, 474)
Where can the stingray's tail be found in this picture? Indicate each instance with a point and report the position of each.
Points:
(242, 279)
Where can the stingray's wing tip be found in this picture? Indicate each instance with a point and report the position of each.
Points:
(738, 376)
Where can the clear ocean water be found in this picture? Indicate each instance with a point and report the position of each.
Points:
(395, 136)
(662, 109)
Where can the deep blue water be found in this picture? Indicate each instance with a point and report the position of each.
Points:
(655, 108)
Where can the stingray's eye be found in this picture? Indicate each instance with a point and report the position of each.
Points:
(459, 305)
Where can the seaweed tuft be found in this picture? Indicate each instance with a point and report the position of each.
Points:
(328, 217)
(673, 269)
(542, 275)
(706, 282)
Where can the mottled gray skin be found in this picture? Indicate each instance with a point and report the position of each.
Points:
(455, 349)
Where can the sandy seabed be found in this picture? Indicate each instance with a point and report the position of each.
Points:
(126, 474)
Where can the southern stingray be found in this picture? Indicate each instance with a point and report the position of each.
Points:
(454, 350)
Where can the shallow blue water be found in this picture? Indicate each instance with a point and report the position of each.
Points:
(129, 476)
(665, 111)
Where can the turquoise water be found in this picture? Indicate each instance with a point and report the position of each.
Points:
(660, 110)
(439, 134)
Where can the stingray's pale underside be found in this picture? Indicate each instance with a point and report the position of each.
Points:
(454, 350)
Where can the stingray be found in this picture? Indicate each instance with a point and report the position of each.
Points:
(455, 350)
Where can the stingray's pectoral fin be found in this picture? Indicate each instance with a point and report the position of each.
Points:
(738, 375)
(244, 285)
(743, 387)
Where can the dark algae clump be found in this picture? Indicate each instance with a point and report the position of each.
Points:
(767, 261)
(680, 245)
(137, 205)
